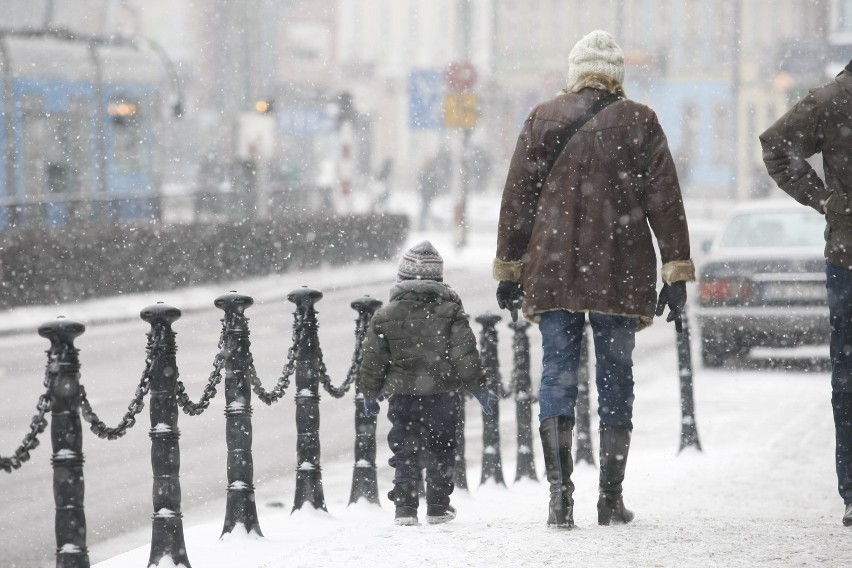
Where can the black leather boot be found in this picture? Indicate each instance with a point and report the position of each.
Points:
(841, 402)
(556, 442)
(405, 497)
(615, 444)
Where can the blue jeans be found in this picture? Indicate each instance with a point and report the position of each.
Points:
(839, 287)
(614, 338)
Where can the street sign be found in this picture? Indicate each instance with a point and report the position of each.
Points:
(461, 110)
(425, 95)
(461, 76)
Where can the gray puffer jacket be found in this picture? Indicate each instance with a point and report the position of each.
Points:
(420, 343)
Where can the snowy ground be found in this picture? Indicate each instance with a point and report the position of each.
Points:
(762, 492)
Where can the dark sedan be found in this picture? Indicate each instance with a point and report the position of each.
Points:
(763, 282)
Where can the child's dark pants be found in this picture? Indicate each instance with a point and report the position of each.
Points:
(424, 424)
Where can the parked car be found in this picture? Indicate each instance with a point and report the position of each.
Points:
(762, 283)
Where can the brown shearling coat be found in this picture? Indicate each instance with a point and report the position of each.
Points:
(580, 240)
(819, 123)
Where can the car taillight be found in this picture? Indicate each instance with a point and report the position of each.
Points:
(724, 290)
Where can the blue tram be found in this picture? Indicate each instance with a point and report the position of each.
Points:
(78, 130)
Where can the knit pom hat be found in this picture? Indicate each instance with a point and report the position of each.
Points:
(598, 53)
(421, 262)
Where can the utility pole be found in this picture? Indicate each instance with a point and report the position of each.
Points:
(735, 95)
(461, 154)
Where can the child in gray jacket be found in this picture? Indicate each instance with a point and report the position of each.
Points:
(419, 352)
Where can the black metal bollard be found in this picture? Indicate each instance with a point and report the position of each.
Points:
(308, 472)
(167, 526)
(241, 507)
(364, 483)
(688, 428)
(523, 400)
(460, 467)
(585, 452)
(492, 466)
(66, 437)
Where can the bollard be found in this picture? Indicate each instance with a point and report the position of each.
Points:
(167, 526)
(460, 468)
(364, 484)
(308, 472)
(66, 436)
(523, 400)
(492, 467)
(585, 452)
(688, 428)
(240, 507)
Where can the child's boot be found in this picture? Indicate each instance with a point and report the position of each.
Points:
(404, 496)
(438, 508)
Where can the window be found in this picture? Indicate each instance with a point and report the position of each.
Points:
(128, 137)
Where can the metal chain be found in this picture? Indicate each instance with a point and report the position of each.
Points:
(155, 341)
(338, 392)
(38, 423)
(270, 397)
(196, 408)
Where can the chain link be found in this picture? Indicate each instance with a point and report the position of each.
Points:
(156, 339)
(273, 396)
(338, 392)
(196, 408)
(38, 423)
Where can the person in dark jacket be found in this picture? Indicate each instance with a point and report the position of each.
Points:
(577, 239)
(822, 123)
(419, 351)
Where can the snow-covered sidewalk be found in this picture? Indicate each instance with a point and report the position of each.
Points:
(761, 493)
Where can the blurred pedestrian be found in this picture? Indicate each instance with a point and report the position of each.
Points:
(384, 179)
(419, 351)
(821, 122)
(433, 180)
(590, 178)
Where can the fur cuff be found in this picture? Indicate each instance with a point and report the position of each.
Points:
(508, 270)
(678, 270)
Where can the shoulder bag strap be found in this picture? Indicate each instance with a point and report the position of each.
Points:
(572, 129)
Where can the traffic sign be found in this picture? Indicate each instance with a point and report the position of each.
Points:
(461, 110)
(461, 76)
(425, 93)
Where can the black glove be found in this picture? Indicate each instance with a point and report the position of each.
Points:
(509, 297)
(674, 296)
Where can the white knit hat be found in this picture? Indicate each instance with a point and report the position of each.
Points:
(597, 52)
(421, 262)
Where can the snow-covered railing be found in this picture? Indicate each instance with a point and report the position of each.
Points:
(66, 398)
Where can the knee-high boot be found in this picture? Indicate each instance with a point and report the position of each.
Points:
(841, 402)
(615, 444)
(556, 442)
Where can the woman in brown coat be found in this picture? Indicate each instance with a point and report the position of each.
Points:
(574, 236)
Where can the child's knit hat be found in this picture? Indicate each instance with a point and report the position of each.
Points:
(421, 262)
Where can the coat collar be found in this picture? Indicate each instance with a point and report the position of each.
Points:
(417, 288)
(844, 79)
